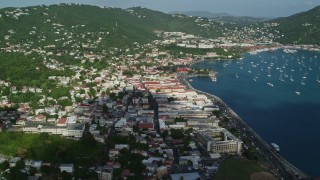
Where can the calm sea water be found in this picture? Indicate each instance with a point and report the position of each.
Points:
(278, 95)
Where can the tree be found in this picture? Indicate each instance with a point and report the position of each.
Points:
(92, 92)
(217, 113)
(32, 171)
(165, 133)
(20, 164)
(88, 140)
(180, 119)
(135, 128)
(46, 169)
(177, 133)
(65, 176)
(4, 165)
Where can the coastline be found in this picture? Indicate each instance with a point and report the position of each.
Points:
(284, 167)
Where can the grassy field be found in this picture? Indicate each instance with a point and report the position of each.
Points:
(237, 169)
(49, 148)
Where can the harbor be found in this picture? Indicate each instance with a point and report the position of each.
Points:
(256, 82)
(286, 169)
(277, 110)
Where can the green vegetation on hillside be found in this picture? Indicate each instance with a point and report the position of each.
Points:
(302, 28)
(22, 70)
(51, 148)
(49, 25)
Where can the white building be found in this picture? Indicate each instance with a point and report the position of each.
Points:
(71, 130)
(69, 168)
(219, 140)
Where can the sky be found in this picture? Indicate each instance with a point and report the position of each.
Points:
(255, 8)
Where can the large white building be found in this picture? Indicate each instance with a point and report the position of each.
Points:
(219, 140)
(71, 130)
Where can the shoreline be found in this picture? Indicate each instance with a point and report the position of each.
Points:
(255, 51)
(282, 162)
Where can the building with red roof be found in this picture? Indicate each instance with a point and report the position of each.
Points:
(62, 122)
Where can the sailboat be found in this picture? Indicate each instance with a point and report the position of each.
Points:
(237, 75)
(280, 78)
(297, 92)
(269, 75)
(318, 80)
(291, 79)
(302, 82)
(304, 76)
(270, 84)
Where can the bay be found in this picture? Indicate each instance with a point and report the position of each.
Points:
(278, 95)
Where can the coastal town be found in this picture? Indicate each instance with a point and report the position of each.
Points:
(141, 104)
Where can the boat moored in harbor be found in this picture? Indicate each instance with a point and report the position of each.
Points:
(275, 147)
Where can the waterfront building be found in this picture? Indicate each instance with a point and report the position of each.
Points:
(219, 140)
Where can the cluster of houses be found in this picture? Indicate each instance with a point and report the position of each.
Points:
(36, 164)
(136, 109)
(173, 99)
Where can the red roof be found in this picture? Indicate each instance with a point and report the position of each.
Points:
(22, 119)
(168, 163)
(183, 69)
(125, 172)
(62, 121)
(177, 141)
(85, 105)
(152, 82)
(146, 125)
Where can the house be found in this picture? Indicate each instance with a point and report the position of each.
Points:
(113, 153)
(151, 167)
(40, 117)
(36, 164)
(13, 161)
(21, 121)
(28, 163)
(125, 173)
(62, 122)
(186, 176)
(69, 168)
(146, 126)
(121, 146)
(162, 171)
(51, 120)
(105, 173)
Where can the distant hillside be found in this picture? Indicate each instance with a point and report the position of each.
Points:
(301, 28)
(239, 20)
(45, 25)
(225, 17)
(206, 14)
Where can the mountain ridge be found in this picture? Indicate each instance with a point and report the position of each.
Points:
(206, 14)
(300, 28)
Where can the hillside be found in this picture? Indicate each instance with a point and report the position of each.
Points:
(58, 36)
(46, 25)
(225, 17)
(301, 28)
(206, 14)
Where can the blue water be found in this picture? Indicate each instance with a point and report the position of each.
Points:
(277, 113)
